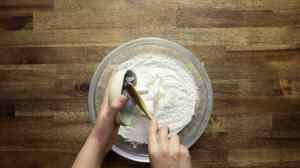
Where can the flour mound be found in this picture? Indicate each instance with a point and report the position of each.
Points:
(169, 92)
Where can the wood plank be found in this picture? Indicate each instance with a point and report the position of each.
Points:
(201, 36)
(266, 56)
(265, 165)
(258, 88)
(243, 5)
(57, 159)
(23, 22)
(235, 126)
(119, 18)
(53, 55)
(244, 55)
(207, 54)
(45, 159)
(70, 110)
(226, 105)
(7, 110)
(58, 89)
(256, 157)
(72, 88)
(45, 133)
(17, 14)
(213, 139)
(28, 5)
(55, 81)
(253, 53)
(97, 53)
(209, 155)
(242, 123)
(191, 17)
(286, 134)
(239, 36)
(24, 90)
(42, 55)
(94, 5)
(83, 71)
(286, 121)
(92, 37)
(216, 71)
(21, 81)
(244, 142)
(262, 47)
(25, 73)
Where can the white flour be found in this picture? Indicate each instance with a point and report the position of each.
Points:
(169, 91)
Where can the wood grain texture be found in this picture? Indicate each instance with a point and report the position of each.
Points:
(49, 50)
(199, 17)
(191, 36)
(244, 5)
(18, 14)
(120, 18)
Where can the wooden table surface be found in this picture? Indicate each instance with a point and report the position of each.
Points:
(49, 50)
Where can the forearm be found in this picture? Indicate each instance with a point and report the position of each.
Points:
(102, 136)
(92, 153)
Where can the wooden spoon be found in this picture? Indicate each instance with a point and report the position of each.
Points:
(138, 100)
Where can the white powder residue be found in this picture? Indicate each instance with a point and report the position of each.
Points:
(169, 92)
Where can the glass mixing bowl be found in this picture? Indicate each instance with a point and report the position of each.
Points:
(157, 46)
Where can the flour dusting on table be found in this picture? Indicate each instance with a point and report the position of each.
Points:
(169, 92)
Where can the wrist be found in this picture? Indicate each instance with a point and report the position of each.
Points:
(97, 141)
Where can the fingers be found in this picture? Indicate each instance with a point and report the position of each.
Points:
(152, 132)
(152, 136)
(110, 111)
(166, 150)
(163, 138)
(105, 103)
(175, 146)
(117, 105)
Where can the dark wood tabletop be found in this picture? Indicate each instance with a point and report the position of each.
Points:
(49, 50)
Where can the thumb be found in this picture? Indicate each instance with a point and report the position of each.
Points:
(117, 104)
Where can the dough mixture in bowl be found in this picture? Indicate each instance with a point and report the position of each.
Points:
(169, 92)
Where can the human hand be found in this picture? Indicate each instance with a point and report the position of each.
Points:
(166, 152)
(106, 127)
(103, 134)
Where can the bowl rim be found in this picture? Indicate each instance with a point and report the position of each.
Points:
(145, 40)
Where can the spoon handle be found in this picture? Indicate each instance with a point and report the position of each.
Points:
(138, 100)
